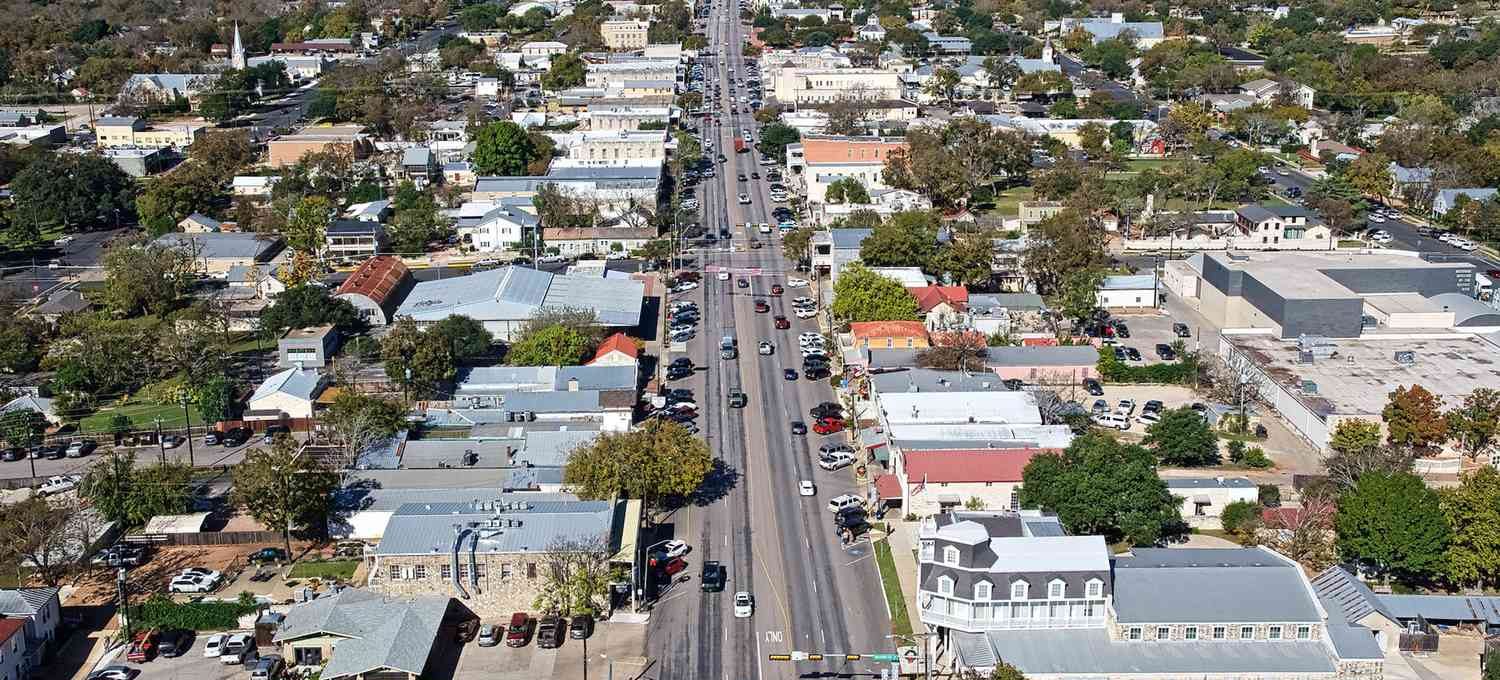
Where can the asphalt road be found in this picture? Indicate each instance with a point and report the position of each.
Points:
(811, 593)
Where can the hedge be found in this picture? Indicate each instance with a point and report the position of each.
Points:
(162, 612)
(1182, 371)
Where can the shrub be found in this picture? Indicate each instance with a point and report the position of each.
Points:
(161, 612)
(1241, 518)
(1270, 495)
(1236, 450)
(1256, 458)
(1177, 372)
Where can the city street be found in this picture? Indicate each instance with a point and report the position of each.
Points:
(811, 594)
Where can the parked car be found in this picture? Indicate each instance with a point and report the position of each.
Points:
(237, 436)
(549, 633)
(143, 647)
(489, 635)
(265, 555)
(272, 431)
(174, 643)
(1164, 352)
(519, 630)
(828, 426)
(1093, 387)
(581, 627)
(57, 484)
(213, 645)
(239, 648)
(115, 672)
(81, 448)
(269, 667)
(191, 584)
(1181, 330)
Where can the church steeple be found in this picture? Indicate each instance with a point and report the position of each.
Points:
(237, 51)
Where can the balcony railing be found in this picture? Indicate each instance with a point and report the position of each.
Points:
(975, 625)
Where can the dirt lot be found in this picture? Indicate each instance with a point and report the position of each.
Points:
(97, 586)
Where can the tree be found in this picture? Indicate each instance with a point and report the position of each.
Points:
(999, 73)
(1241, 518)
(1001, 671)
(862, 295)
(1063, 243)
(21, 343)
(1395, 524)
(22, 428)
(40, 532)
(967, 259)
(1354, 450)
(1476, 423)
(577, 574)
(187, 189)
(796, 242)
(147, 278)
(417, 362)
(567, 70)
(847, 190)
(1079, 296)
(355, 422)
(1100, 486)
(583, 321)
(955, 350)
(1414, 418)
(774, 139)
(222, 152)
(1473, 510)
(467, 337)
(549, 346)
(503, 148)
(71, 190)
(1305, 534)
(655, 462)
(943, 84)
(1183, 438)
(282, 488)
(129, 494)
(305, 231)
(214, 397)
(307, 306)
(1370, 174)
(907, 239)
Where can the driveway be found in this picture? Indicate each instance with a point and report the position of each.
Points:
(190, 666)
(506, 663)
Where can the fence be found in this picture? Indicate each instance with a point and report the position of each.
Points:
(207, 538)
(1420, 637)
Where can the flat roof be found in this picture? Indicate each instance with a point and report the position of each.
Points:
(1361, 375)
(1302, 275)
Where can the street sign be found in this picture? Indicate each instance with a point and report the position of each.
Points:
(883, 657)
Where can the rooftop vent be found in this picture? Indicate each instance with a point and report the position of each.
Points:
(1406, 357)
(1309, 387)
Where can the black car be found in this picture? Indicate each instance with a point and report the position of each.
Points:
(236, 436)
(1165, 353)
(1132, 354)
(1121, 330)
(581, 627)
(1181, 330)
(1013, 384)
(816, 373)
(789, 373)
(55, 452)
(737, 399)
(799, 427)
(549, 633)
(1093, 387)
(849, 518)
(265, 555)
(681, 362)
(742, 177)
(678, 394)
(742, 283)
(273, 431)
(827, 409)
(173, 642)
(713, 577)
(678, 373)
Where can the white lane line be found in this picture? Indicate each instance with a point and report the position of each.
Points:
(857, 560)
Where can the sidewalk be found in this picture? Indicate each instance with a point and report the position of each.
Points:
(903, 554)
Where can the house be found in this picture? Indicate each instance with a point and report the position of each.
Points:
(40, 612)
(218, 252)
(418, 165)
(369, 211)
(497, 225)
(298, 68)
(253, 186)
(164, 88)
(31, 402)
(1146, 34)
(1406, 182)
(260, 279)
(544, 48)
(931, 482)
(354, 239)
(1043, 364)
(616, 350)
(597, 240)
(1135, 291)
(834, 249)
(16, 659)
(360, 634)
(505, 548)
(503, 299)
(349, 140)
(198, 223)
(1003, 313)
(307, 347)
(1266, 226)
(624, 34)
(287, 394)
(1204, 498)
(872, 334)
(1266, 91)
(942, 307)
(376, 288)
(1447, 199)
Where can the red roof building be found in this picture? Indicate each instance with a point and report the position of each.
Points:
(889, 334)
(377, 288)
(931, 481)
(616, 350)
(930, 297)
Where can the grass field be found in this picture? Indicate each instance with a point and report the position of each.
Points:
(1008, 202)
(342, 570)
(142, 416)
(891, 582)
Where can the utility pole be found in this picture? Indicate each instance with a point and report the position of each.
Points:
(188, 419)
(161, 446)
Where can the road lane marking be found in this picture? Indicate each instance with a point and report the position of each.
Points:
(856, 561)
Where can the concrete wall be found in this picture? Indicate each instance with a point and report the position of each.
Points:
(1292, 410)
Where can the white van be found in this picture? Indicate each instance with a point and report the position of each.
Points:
(847, 500)
(1114, 420)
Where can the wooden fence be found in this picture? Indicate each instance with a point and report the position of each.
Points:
(1420, 637)
(208, 538)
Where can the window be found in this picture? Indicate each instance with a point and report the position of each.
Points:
(983, 591)
(1247, 632)
(1219, 632)
(531, 570)
(1273, 633)
(1015, 497)
(1163, 633)
(1018, 590)
(945, 585)
(950, 555)
(419, 572)
(445, 572)
(395, 572)
(1094, 588)
(1190, 633)
(1055, 589)
(1304, 632)
(1134, 633)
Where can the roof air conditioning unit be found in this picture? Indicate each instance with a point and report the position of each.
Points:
(1406, 357)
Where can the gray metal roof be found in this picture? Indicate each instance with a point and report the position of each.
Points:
(427, 528)
(421, 156)
(502, 379)
(1467, 312)
(513, 293)
(1444, 607)
(1091, 652)
(1015, 301)
(379, 632)
(616, 302)
(369, 499)
(300, 383)
(25, 601)
(1061, 355)
(1192, 585)
(555, 402)
(1352, 597)
(1209, 483)
(551, 448)
(432, 453)
(216, 245)
(1128, 282)
(929, 380)
(849, 239)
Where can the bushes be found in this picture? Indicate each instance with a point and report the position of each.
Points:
(161, 612)
(1241, 518)
(1252, 457)
(1181, 371)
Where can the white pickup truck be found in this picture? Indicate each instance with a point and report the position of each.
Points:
(59, 484)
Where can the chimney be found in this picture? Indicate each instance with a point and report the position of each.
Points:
(572, 384)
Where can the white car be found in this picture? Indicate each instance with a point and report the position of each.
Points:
(1467, 245)
(744, 605)
(723, 276)
(675, 548)
(805, 313)
(806, 488)
(797, 283)
(59, 484)
(1376, 218)
(744, 199)
(201, 572)
(840, 502)
(190, 584)
(685, 287)
(214, 645)
(835, 461)
(766, 348)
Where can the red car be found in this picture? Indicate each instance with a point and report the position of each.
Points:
(776, 289)
(828, 426)
(782, 323)
(761, 307)
(143, 649)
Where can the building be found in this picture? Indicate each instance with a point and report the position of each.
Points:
(1043, 364)
(361, 635)
(942, 307)
(1204, 498)
(624, 34)
(1014, 587)
(883, 202)
(597, 240)
(376, 288)
(1145, 34)
(419, 165)
(344, 139)
(1378, 35)
(165, 88)
(253, 186)
(587, 398)
(596, 148)
(298, 68)
(931, 482)
(353, 239)
(1266, 91)
(544, 48)
(198, 223)
(16, 659)
(287, 394)
(31, 402)
(40, 610)
(617, 350)
(803, 87)
(1135, 291)
(615, 74)
(1145, 139)
(307, 347)
(504, 299)
(1447, 199)
(136, 162)
(872, 334)
(120, 131)
(497, 560)
(834, 249)
(818, 161)
(216, 253)
(1280, 227)
(1334, 294)
(616, 189)
(495, 226)
(603, 118)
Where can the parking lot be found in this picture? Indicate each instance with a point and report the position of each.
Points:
(1149, 330)
(190, 666)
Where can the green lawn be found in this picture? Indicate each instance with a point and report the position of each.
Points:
(891, 582)
(251, 343)
(1008, 202)
(1141, 164)
(341, 570)
(142, 416)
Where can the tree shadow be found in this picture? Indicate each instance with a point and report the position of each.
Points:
(716, 484)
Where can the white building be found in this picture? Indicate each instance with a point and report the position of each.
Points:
(1204, 498)
(289, 393)
(495, 226)
(1136, 291)
(799, 87)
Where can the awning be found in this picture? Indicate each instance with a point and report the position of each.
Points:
(949, 499)
(1202, 499)
(888, 487)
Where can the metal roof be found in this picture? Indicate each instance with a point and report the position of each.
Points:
(1042, 355)
(215, 245)
(511, 293)
(1209, 483)
(1008, 408)
(373, 499)
(427, 528)
(849, 239)
(379, 632)
(25, 601)
(930, 380)
(1444, 607)
(1188, 585)
(300, 383)
(1131, 282)
(1092, 652)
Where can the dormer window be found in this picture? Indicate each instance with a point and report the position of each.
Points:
(1056, 588)
(983, 590)
(950, 555)
(1019, 589)
(945, 585)
(1094, 588)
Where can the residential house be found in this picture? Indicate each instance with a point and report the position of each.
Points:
(883, 202)
(597, 240)
(16, 658)
(624, 34)
(1146, 34)
(259, 281)
(460, 174)
(1266, 91)
(40, 610)
(307, 347)
(377, 288)
(1447, 199)
(1280, 227)
(164, 88)
(32, 402)
(353, 239)
(1408, 183)
(497, 559)
(419, 165)
(497, 225)
(253, 186)
(1134, 291)
(359, 634)
(873, 334)
(298, 68)
(802, 87)
(198, 223)
(1204, 498)
(871, 31)
(834, 249)
(1044, 364)
(931, 482)
(369, 211)
(942, 307)
(1145, 137)
(217, 252)
(286, 394)
(1033, 212)
(504, 299)
(350, 140)
(616, 350)
(544, 48)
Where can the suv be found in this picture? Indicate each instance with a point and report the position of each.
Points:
(549, 633)
(174, 642)
(518, 630)
(236, 436)
(737, 399)
(1181, 330)
(265, 555)
(712, 580)
(1165, 352)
